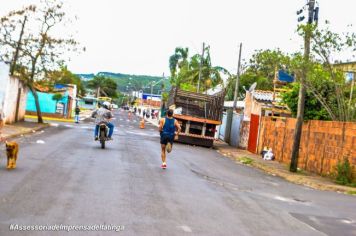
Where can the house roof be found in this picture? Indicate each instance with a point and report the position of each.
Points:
(40, 88)
(261, 95)
(345, 63)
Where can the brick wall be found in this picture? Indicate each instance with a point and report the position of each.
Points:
(323, 143)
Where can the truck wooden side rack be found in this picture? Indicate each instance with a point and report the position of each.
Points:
(198, 115)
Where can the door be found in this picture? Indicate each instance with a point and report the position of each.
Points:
(252, 138)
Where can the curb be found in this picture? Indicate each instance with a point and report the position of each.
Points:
(51, 119)
(44, 126)
(292, 178)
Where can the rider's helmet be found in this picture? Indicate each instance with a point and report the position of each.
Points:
(106, 105)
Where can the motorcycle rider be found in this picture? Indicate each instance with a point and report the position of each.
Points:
(103, 115)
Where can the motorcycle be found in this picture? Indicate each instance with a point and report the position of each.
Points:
(103, 134)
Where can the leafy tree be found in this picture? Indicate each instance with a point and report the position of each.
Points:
(325, 45)
(37, 50)
(104, 86)
(11, 38)
(264, 63)
(313, 108)
(261, 69)
(246, 80)
(64, 76)
(324, 81)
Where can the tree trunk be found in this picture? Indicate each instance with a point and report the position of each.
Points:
(38, 108)
(98, 92)
(18, 47)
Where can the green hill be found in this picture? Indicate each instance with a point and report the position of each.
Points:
(128, 82)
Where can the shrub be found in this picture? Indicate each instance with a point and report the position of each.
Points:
(57, 96)
(246, 160)
(344, 175)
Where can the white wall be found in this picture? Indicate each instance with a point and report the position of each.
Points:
(8, 95)
(4, 80)
(11, 100)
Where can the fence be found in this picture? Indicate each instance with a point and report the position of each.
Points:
(235, 129)
(323, 143)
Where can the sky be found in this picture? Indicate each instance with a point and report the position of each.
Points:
(139, 36)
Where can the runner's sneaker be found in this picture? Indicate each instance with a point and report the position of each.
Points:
(96, 138)
(164, 166)
(169, 147)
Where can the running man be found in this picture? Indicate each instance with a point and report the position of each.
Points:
(167, 128)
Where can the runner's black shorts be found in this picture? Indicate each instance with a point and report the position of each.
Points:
(167, 138)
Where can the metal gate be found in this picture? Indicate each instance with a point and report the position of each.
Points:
(223, 127)
(252, 138)
(235, 130)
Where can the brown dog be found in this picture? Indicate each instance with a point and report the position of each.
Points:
(12, 149)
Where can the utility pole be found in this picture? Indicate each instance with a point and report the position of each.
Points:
(302, 89)
(237, 79)
(200, 67)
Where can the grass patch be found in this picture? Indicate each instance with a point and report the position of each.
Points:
(301, 171)
(246, 160)
(351, 192)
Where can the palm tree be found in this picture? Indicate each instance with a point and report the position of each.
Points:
(178, 62)
(185, 72)
(211, 75)
(103, 86)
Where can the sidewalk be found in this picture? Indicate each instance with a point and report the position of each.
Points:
(281, 169)
(83, 115)
(20, 128)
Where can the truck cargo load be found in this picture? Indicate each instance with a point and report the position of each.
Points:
(198, 114)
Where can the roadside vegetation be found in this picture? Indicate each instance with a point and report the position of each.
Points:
(345, 173)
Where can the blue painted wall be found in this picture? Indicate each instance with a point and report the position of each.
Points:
(47, 104)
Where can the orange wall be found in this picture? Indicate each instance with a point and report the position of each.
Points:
(323, 143)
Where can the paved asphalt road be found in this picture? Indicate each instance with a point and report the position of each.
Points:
(63, 177)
